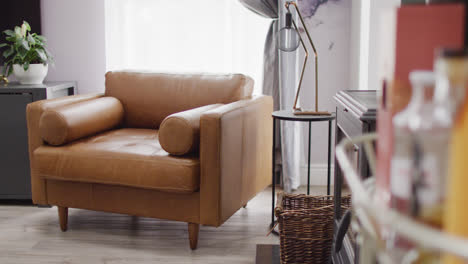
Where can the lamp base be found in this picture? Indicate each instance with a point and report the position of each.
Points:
(310, 112)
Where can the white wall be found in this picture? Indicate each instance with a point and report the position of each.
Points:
(378, 34)
(330, 29)
(75, 33)
(375, 35)
(355, 41)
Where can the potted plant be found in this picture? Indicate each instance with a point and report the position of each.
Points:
(25, 55)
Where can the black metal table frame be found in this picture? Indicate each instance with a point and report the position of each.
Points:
(276, 115)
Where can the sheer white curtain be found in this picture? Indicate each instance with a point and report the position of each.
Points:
(216, 36)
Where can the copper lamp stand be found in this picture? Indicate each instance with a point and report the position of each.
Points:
(298, 110)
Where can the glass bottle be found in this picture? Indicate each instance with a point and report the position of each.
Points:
(408, 164)
(423, 135)
(451, 69)
(406, 125)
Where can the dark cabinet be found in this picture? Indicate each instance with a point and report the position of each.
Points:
(355, 115)
(15, 180)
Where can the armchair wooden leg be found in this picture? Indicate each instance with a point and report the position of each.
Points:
(63, 217)
(193, 234)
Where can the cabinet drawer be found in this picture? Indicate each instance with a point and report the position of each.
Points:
(348, 122)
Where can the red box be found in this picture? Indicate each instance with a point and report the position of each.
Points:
(420, 31)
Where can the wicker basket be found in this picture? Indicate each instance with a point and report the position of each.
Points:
(306, 227)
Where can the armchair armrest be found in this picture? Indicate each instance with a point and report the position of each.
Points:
(235, 156)
(34, 112)
(179, 133)
(67, 123)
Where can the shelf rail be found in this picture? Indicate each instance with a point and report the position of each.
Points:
(374, 217)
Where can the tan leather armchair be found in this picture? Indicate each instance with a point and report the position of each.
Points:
(191, 148)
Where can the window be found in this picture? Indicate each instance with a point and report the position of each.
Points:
(215, 36)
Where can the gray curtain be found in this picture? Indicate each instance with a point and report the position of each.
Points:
(269, 9)
(285, 140)
(291, 136)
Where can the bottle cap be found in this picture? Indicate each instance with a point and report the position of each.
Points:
(422, 77)
(452, 53)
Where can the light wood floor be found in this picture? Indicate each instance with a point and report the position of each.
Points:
(32, 235)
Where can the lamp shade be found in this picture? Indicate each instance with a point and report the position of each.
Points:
(288, 36)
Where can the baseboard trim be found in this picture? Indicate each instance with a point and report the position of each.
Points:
(318, 174)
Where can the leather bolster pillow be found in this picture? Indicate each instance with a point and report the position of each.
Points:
(179, 133)
(64, 124)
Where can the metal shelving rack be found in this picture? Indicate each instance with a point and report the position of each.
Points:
(370, 217)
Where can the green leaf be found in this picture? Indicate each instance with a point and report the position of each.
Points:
(10, 71)
(7, 53)
(25, 44)
(9, 32)
(41, 38)
(26, 24)
(3, 45)
(39, 43)
(49, 56)
(22, 53)
(18, 31)
(11, 39)
(26, 66)
(41, 55)
(31, 40)
(25, 28)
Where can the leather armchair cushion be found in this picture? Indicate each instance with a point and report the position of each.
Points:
(126, 157)
(179, 133)
(148, 97)
(62, 125)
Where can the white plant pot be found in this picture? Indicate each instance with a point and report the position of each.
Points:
(34, 75)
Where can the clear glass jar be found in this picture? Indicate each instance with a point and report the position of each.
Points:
(407, 164)
(451, 68)
(423, 134)
(406, 125)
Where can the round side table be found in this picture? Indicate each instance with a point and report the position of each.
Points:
(288, 115)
